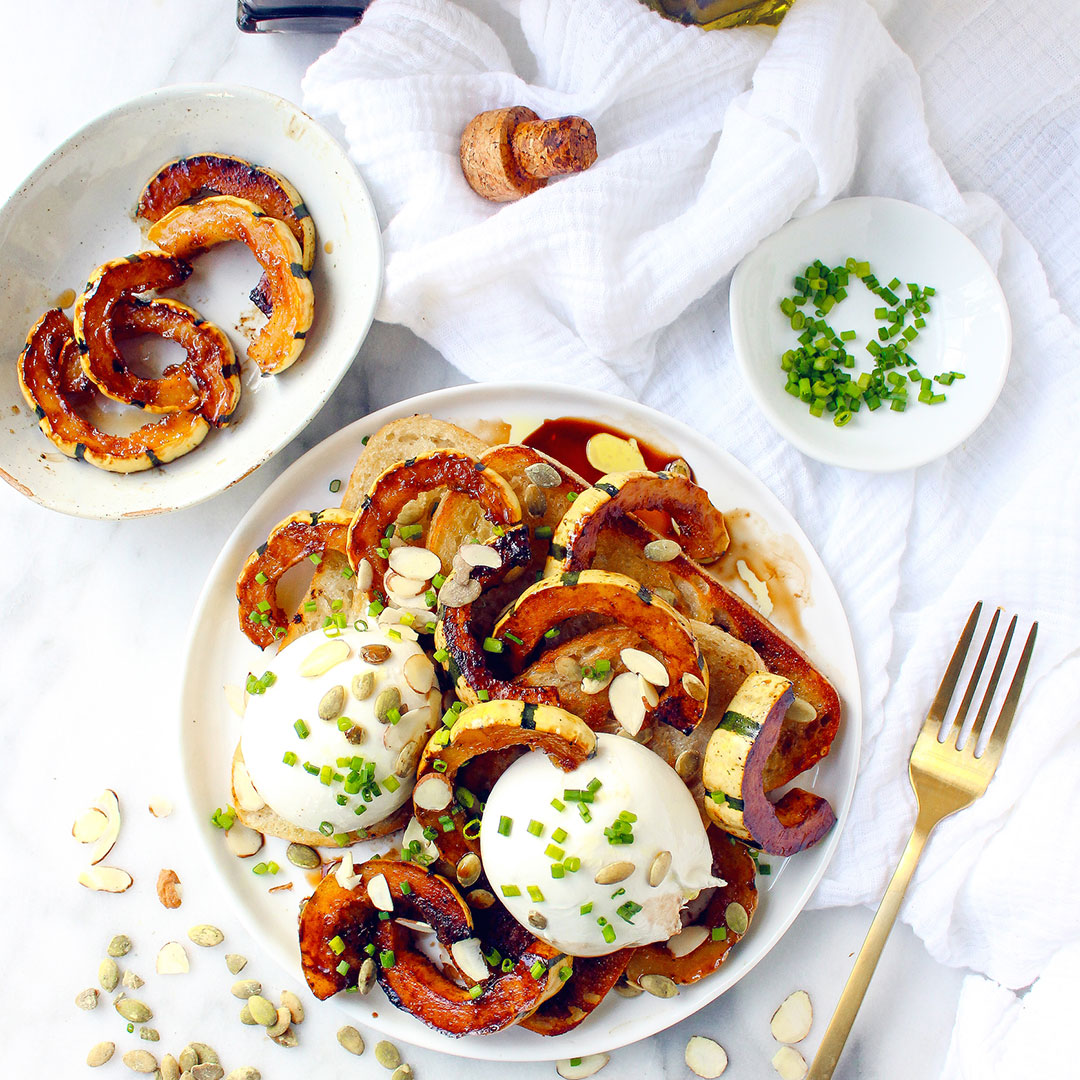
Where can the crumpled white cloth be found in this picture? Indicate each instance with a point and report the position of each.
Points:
(618, 279)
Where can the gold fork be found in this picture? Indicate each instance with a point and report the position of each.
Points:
(946, 779)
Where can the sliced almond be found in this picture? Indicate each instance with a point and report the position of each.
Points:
(89, 826)
(608, 453)
(105, 879)
(414, 831)
(415, 562)
(758, 589)
(346, 874)
(378, 890)
(591, 685)
(705, 1058)
(172, 959)
(626, 695)
(646, 665)
(580, 1068)
(433, 792)
(323, 657)
(614, 872)
(567, 667)
(480, 555)
(694, 686)
(404, 587)
(659, 868)
(662, 550)
(160, 807)
(168, 889)
(419, 673)
(242, 841)
(457, 592)
(109, 805)
(469, 958)
(800, 711)
(410, 513)
(792, 1021)
(236, 696)
(247, 797)
(686, 941)
(364, 575)
(789, 1063)
(418, 925)
(649, 694)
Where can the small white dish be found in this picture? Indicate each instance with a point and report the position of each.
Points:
(968, 329)
(219, 654)
(76, 210)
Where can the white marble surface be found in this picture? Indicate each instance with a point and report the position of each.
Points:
(97, 621)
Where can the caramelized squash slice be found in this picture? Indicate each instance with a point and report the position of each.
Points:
(191, 229)
(592, 979)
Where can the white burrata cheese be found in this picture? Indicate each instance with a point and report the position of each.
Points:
(639, 797)
(328, 788)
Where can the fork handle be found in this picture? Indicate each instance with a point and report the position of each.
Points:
(832, 1045)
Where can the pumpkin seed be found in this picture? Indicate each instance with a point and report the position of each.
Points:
(322, 658)
(663, 550)
(119, 945)
(284, 1019)
(262, 1011)
(409, 758)
(87, 999)
(535, 501)
(660, 866)
(537, 920)
(543, 475)
(108, 974)
(351, 1039)
(205, 1053)
(132, 981)
(140, 1061)
(613, 872)
(388, 699)
(287, 1039)
(694, 686)
(457, 591)
(677, 467)
(307, 858)
(365, 978)
(375, 654)
(332, 703)
(658, 985)
(170, 1070)
(688, 765)
(355, 735)
(246, 1017)
(234, 961)
(149, 1034)
(627, 989)
(245, 1072)
(138, 1012)
(189, 1058)
(387, 1054)
(402, 1072)
(294, 1005)
(209, 1070)
(100, 1053)
(206, 936)
(736, 918)
(468, 869)
(363, 685)
(705, 1057)
(245, 988)
(480, 899)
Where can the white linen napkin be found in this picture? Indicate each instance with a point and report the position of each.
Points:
(617, 279)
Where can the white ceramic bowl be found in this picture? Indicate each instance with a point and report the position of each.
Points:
(219, 654)
(967, 330)
(76, 210)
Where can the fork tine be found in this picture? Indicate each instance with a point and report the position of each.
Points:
(944, 695)
(973, 683)
(991, 686)
(1008, 708)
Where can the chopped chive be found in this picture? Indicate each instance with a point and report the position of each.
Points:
(535, 894)
(290, 758)
(536, 828)
(301, 729)
(505, 824)
(511, 890)
(337, 946)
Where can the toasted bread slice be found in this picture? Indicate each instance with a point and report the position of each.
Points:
(270, 823)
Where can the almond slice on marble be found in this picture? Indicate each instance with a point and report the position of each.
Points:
(89, 826)
(160, 807)
(789, 1063)
(172, 959)
(109, 805)
(578, 1068)
(791, 1022)
(105, 879)
(705, 1057)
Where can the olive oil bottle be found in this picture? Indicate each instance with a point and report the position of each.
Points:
(719, 14)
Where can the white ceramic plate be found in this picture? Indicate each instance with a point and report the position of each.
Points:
(76, 210)
(218, 653)
(967, 330)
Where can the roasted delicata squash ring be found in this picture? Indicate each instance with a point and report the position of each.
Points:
(592, 979)
(416, 985)
(45, 370)
(307, 535)
(189, 230)
(335, 916)
(117, 281)
(211, 361)
(702, 529)
(190, 178)
(733, 773)
(404, 481)
(480, 729)
(543, 605)
(734, 865)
